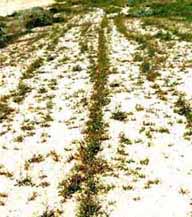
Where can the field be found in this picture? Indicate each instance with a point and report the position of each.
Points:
(96, 108)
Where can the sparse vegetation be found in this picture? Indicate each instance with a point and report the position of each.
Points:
(93, 104)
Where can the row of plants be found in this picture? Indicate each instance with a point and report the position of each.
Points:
(84, 177)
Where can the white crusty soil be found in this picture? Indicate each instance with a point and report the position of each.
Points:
(162, 187)
(148, 150)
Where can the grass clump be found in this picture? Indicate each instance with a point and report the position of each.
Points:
(88, 207)
(21, 92)
(30, 71)
(70, 186)
(125, 140)
(26, 181)
(5, 110)
(119, 115)
(183, 108)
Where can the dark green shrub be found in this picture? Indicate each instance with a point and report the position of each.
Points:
(3, 37)
(36, 17)
(142, 8)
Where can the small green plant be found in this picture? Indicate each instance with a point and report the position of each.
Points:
(183, 191)
(124, 139)
(5, 110)
(77, 68)
(37, 158)
(19, 139)
(128, 187)
(145, 67)
(183, 107)
(21, 92)
(28, 125)
(26, 181)
(71, 185)
(88, 207)
(5, 172)
(150, 183)
(144, 162)
(30, 71)
(119, 115)
(163, 130)
(52, 212)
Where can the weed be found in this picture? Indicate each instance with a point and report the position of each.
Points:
(151, 183)
(5, 110)
(164, 130)
(27, 126)
(128, 187)
(33, 196)
(19, 138)
(183, 108)
(30, 71)
(125, 140)
(137, 198)
(21, 92)
(119, 115)
(51, 213)
(42, 90)
(27, 181)
(88, 207)
(36, 158)
(54, 156)
(4, 172)
(70, 186)
(77, 68)
(183, 191)
(145, 67)
(47, 118)
(83, 41)
(138, 57)
(144, 162)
